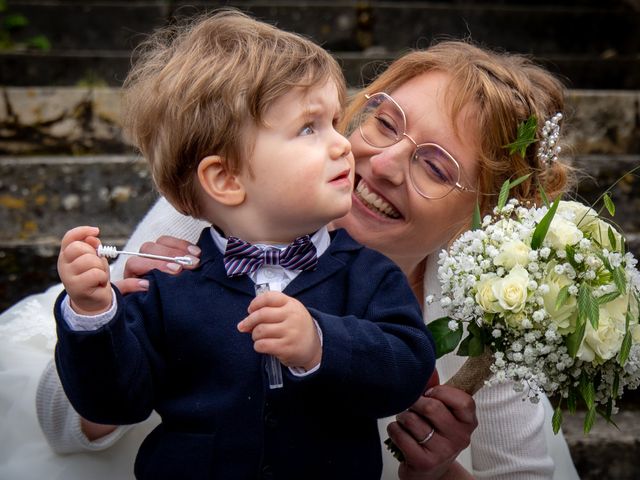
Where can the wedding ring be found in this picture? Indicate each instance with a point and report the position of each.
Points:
(428, 437)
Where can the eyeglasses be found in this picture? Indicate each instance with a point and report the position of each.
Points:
(433, 171)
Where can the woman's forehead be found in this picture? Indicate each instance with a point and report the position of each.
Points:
(426, 101)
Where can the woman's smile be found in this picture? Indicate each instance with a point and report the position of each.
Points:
(374, 202)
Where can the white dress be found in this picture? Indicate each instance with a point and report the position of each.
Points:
(508, 439)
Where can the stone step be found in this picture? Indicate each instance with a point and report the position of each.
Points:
(606, 453)
(110, 67)
(42, 197)
(83, 120)
(592, 45)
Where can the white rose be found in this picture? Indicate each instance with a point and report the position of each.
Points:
(512, 253)
(511, 291)
(565, 316)
(484, 294)
(581, 215)
(562, 233)
(605, 342)
(599, 231)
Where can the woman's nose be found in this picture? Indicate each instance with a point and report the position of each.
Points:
(391, 163)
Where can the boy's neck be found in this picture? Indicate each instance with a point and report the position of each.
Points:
(269, 238)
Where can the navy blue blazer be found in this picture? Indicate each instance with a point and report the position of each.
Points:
(176, 349)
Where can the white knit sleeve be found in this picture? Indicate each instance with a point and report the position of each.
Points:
(60, 423)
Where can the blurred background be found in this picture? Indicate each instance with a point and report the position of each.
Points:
(64, 162)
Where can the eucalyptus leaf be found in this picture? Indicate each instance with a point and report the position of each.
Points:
(445, 339)
(543, 227)
(608, 203)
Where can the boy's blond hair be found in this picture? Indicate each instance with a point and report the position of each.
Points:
(196, 90)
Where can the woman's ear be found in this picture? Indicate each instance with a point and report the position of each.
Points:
(218, 183)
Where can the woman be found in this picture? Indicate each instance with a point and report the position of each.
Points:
(428, 138)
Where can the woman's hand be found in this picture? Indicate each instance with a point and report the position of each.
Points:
(451, 414)
(138, 266)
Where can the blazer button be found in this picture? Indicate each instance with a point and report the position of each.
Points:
(267, 472)
(270, 420)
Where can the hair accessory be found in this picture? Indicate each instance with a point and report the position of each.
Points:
(548, 150)
(111, 252)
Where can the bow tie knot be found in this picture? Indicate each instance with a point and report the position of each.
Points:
(242, 258)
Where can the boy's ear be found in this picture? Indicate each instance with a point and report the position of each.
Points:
(224, 187)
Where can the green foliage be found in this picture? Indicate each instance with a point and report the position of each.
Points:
(473, 344)
(526, 136)
(445, 339)
(556, 421)
(608, 203)
(543, 227)
(588, 306)
(476, 220)
(10, 23)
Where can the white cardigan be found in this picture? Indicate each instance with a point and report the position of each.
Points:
(509, 443)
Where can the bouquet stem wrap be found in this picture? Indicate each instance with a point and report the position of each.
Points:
(473, 373)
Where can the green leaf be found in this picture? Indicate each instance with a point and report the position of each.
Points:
(395, 451)
(615, 386)
(476, 344)
(563, 296)
(556, 421)
(574, 340)
(476, 219)
(445, 339)
(463, 349)
(39, 42)
(588, 306)
(15, 20)
(625, 348)
(607, 297)
(504, 195)
(543, 227)
(572, 401)
(543, 195)
(518, 181)
(571, 256)
(608, 203)
(526, 136)
(589, 418)
(587, 391)
(612, 238)
(620, 279)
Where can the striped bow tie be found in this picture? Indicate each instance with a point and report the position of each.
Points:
(242, 258)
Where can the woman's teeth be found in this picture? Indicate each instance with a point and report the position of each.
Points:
(374, 202)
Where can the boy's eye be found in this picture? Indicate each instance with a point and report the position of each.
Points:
(307, 130)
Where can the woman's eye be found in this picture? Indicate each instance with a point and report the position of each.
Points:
(386, 126)
(307, 130)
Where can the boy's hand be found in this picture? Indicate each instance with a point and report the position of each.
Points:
(280, 325)
(84, 274)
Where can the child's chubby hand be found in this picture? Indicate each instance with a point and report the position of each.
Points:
(282, 326)
(84, 274)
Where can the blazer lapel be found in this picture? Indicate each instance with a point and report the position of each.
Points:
(329, 263)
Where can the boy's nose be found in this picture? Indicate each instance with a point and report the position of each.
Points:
(341, 148)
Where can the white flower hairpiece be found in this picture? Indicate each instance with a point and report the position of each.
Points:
(549, 149)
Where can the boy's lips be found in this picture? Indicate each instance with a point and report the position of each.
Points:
(374, 202)
(343, 176)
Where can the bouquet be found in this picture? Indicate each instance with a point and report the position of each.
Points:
(549, 299)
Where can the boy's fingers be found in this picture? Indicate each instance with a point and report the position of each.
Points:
(268, 299)
(262, 315)
(78, 234)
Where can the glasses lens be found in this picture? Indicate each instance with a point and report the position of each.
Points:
(381, 121)
(433, 171)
